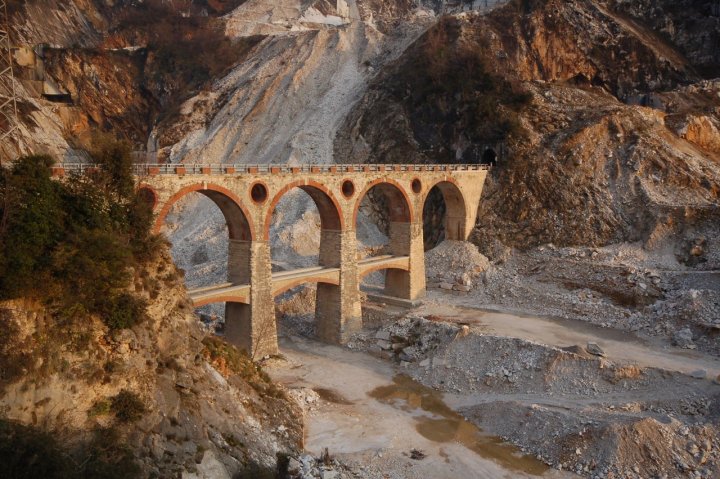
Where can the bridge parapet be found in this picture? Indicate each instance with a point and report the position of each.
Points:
(232, 169)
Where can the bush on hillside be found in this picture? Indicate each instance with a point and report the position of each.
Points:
(127, 406)
(73, 243)
(448, 91)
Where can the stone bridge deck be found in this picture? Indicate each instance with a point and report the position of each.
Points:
(247, 196)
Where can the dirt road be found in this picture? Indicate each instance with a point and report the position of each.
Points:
(619, 346)
(385, 416)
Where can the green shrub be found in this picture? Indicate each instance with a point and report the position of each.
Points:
(30, 225)
(100, 408)
(26, 452)
(228, 359)
(73, 243)
(108, 457)
(125, 311)
(226, 356)
(127, 406)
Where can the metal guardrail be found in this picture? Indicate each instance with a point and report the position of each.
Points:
(231, 169)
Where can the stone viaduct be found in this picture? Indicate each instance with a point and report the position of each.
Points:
(247, 196)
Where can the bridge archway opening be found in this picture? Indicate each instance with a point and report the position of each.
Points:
(382, 221)
(444, 215)
(302, 226)
(210, 236)
(305, 231)
(311, 308)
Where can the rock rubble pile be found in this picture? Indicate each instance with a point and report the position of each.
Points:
(593, 411)
(454, 265)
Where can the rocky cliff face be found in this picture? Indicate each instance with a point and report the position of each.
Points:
(587, 165)
(203, 408)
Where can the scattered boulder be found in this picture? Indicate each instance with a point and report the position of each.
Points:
(684, 339)
(595, 350)
(383, 334)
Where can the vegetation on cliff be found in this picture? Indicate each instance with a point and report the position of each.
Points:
(457, 105)
(72, 244)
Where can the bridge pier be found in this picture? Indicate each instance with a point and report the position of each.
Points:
(337, 307)
(252, 327)
(239, 261)
(406, 239)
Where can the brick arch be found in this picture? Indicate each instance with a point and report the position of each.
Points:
(331, 217)
(455, 204)
(236, 215)
(377, 268)
(300, 281)
(398, 193)
(222, 299)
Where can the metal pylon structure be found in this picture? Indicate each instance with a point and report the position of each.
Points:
(8, 101)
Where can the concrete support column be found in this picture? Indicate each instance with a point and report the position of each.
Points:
(337, 307)
(406, 239)
(252, 327)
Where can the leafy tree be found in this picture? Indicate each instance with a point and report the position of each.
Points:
(31, 224)
(115, 159)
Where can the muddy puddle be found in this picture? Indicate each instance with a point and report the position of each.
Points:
(332, 396)
(439, 423)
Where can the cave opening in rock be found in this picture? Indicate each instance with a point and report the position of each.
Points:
(489, 157)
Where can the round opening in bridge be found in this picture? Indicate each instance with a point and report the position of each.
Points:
(147, 196)
(416, 186)
(348, 188)
(259, 193)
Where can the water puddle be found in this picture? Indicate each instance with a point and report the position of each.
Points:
(332, 396)
(439, 423)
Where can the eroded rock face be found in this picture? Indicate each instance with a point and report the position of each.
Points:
(702, 131)
(589, 165)
(200, 413)
(692, 27)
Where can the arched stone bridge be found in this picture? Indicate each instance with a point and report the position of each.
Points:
(247, 196)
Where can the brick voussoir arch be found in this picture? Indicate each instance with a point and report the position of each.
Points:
(379, 181)
(200, 187)
(309, 185)
(444, 179)
(288, 286)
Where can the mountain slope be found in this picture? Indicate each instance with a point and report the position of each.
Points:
(586, 166)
